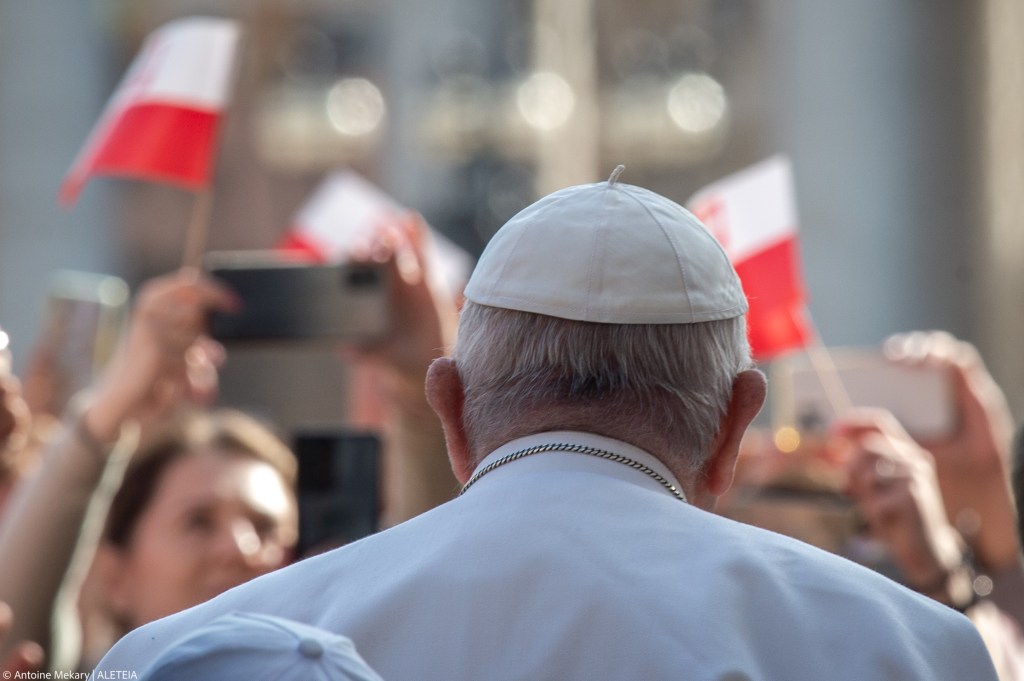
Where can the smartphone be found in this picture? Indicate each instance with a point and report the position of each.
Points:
(920, 397)
(82, 321)
(338, 488)
(291, 301)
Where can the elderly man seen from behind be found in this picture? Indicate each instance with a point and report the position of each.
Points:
(594, 407)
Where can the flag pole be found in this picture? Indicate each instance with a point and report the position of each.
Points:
(828, 375)
(198, 229)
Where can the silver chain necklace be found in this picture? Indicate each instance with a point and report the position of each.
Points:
(577, 449)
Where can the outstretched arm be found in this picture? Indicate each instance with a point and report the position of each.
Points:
(417, 474)
(892, 480)
(162, 358)
(973, 463)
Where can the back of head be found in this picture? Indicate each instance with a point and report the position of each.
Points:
(257, 647)
(602, 307)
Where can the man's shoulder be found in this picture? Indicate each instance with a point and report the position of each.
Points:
(763, 563)
(777, 558)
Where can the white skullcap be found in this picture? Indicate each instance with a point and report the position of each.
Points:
(608, 252)
(256, 647)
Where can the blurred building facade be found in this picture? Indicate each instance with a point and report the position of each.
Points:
(903, 122)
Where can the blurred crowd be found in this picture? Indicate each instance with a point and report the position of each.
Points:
(938, 515)
(143, 496)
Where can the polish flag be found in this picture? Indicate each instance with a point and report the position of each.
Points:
(753, 215)
(346, 210)
(161, 123)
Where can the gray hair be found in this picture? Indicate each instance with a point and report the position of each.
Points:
(671, 382)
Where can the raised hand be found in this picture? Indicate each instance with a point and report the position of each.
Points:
(972, 464)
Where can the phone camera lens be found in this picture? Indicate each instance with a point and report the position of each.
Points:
(361, 277)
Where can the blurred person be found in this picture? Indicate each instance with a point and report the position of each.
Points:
(900, 504)
(60, 508)
(386, 389)
(893, 481)
(207, 505)
(964, 475)
(187, 490)
(895, 485)
(251, 647)
(973, 463)
(594, 406)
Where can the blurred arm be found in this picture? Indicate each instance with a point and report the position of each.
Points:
(42, 528)
(972, 464)
(49, 533)
(416, 473)
(893, 482)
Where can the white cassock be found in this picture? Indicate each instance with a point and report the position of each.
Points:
(565, 566)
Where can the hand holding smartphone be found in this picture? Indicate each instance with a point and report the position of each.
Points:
(292, 301)
(921, 397)
(83, 318)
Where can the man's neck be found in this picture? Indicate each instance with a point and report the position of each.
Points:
(654, 446)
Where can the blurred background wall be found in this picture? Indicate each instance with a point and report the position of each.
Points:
(903, 121)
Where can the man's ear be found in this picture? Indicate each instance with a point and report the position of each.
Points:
(748, 393)
(446, 397)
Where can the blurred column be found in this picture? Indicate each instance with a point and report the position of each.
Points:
(999, 301)
(564, 44)
(54, 79)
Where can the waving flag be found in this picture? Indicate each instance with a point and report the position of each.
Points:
(161, 123)
(345, 210)
(753, 215)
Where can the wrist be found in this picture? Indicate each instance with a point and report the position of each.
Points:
(954, 585)
(103, 416)
(989, 527)
(80, 424)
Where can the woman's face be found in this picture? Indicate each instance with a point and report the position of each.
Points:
(215, 520)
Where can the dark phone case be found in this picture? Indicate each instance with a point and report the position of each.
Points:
(339, 481)
(303, 302)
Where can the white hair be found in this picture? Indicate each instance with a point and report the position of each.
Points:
(670, 382)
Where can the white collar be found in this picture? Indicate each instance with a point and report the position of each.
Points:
(631, 460)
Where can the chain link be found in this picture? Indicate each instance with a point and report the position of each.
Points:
(577, 449)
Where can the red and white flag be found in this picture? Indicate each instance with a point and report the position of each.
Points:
(161, 123)
(346, 210)
(753, 214)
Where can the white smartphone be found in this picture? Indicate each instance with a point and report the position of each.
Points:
(920, 397)
(288, 301)
(83, 318)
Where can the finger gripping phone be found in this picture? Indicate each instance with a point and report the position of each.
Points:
(288, 301)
